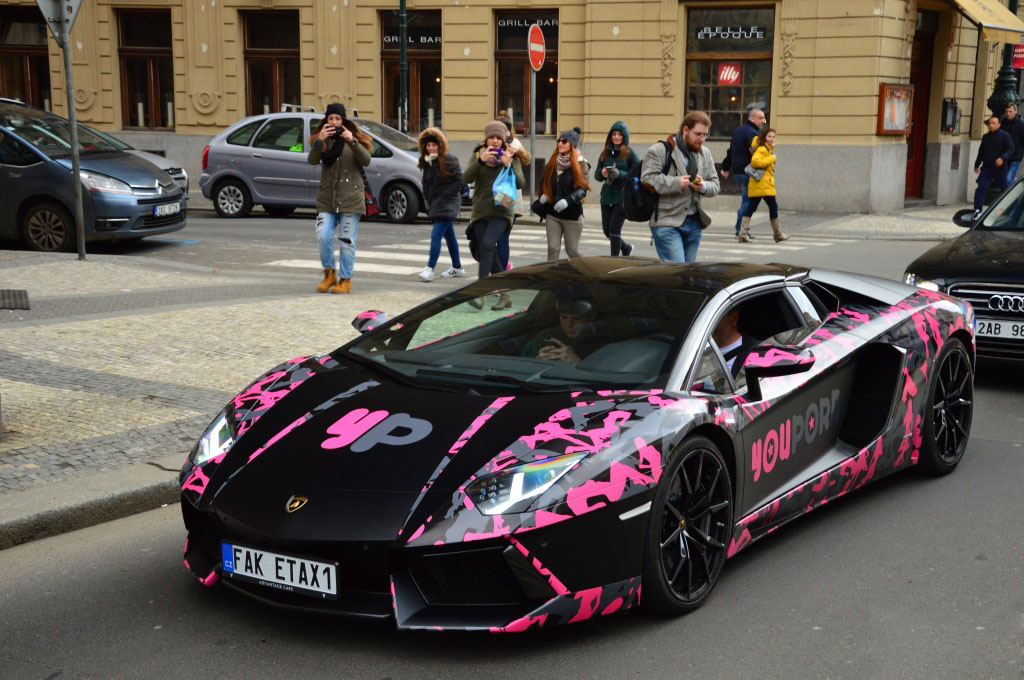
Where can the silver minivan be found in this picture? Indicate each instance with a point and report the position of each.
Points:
(262, 159)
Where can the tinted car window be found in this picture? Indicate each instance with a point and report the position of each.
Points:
(13, 152)
(378, 150)
(243, 135)
(389, 135)
(281, 134)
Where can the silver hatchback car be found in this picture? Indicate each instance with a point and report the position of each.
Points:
(262, 159)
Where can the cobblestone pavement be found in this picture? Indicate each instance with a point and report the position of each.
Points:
(121, 360)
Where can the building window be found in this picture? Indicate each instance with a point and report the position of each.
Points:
(729, 64)
(423, 52)
(271, 60)
(24, 63)
(513, 71)
(147, 72)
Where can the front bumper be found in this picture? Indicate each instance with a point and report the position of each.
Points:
(121, 216)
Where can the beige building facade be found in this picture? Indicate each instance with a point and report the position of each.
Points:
(166, 75)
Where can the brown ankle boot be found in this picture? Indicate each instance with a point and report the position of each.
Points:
(342, 286)
(744, 235)
(329, 279)
(777, 231)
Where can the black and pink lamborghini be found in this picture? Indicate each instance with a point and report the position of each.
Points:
(572, 439)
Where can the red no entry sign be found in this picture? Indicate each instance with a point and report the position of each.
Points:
(535, 47)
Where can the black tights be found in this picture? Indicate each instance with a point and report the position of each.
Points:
(773, 206)
(612, 218)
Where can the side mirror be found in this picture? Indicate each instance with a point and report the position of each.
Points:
(368, 320)
(769, 361)
(964, 218)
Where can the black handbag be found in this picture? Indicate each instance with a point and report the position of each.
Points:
(372, 206)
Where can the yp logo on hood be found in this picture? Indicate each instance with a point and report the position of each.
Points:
(363, 429)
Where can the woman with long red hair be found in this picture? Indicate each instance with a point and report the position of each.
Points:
(563, 187)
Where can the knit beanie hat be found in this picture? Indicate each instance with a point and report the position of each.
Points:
(495, 129)
(335, 108)
(572, 136)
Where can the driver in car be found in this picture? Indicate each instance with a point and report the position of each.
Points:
(572, 339)
(734, 346)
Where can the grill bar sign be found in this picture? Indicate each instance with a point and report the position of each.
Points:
(1018, 56)
(729, 72)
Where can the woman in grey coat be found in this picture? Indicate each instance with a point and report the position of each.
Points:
(342, 150)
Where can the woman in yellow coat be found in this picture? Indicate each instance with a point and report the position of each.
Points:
(763, 158)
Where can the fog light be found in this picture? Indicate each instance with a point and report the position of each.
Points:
(110, 223)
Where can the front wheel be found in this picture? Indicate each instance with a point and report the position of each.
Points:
(401, 203)
(689, 529)
(948, 414)
(48, 227)
(231, 199)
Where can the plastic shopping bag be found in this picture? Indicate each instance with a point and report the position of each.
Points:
(504, 189)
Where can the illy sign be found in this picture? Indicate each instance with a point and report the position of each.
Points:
(535, 47)
(729, 73)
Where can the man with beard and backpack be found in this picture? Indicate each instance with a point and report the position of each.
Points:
(681, 171)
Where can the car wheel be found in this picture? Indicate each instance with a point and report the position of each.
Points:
(689, 529)
(279, 210)
(947, 418)
(49, 227)
(401, 203)
(232, 199)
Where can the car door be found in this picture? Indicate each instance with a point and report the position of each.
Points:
(313, 179)
(21, 170)
(277, 166)
(381, 167)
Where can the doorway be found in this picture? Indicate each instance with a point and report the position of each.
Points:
(920, 77)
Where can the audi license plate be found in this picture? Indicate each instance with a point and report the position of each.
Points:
(993, 328)
(284, 572)
(166, 209)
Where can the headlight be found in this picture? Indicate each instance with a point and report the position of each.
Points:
(217, 439)
(511, 489)
(911, 279)
(94, 181)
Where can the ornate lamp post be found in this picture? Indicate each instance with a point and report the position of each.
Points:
(1005, 91)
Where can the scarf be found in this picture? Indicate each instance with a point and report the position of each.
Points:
(430, 157)
(334, 152)
(564, 161)
(691, 158)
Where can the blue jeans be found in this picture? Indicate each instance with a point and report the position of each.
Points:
(742, 181)
(347, 226)
(1011, 172)
(678, 244)
(445, 229)
(987, 176)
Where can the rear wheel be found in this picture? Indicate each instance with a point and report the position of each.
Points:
(689, 529)
(279, 210)
(231, 199)
(48, 227)
(948, 415)
(401, 203)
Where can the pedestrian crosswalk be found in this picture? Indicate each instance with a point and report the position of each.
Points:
(529, 244)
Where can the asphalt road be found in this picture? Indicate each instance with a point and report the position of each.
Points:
(908, 578)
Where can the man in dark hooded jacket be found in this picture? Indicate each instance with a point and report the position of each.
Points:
(737, 158)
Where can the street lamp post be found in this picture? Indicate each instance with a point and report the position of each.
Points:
(1005, 91)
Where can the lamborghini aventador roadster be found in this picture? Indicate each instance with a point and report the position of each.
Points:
(624, 425)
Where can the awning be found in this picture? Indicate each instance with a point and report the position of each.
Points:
(997, 23)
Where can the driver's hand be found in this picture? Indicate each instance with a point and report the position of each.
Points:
(558, 351)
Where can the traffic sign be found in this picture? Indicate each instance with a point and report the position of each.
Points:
(535, 47)
(56, 12)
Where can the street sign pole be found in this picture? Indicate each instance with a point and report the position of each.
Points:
(535, 52)
(76, 176)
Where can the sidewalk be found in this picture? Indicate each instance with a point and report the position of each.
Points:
(107, 382)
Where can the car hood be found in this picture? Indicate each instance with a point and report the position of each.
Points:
(159, 161)
(129, 168)
(978, 255)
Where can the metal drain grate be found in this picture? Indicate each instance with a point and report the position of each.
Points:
(13, 299)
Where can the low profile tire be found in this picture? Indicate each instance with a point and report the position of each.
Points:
(48, 227)
(689, 529)
(401, 203)
(950, 409)
(279, 210)
(232, 199)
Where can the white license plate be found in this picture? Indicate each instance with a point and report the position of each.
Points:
(166, 209)
(284, 572)
(998, 328)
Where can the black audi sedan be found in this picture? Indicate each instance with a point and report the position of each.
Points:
(985, 266)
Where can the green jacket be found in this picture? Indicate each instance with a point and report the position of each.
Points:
(482, 178)
(341, 184)
(611, 189)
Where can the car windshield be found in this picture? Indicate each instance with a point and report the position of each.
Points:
(1008, 212)
(52, 134)
(390, 135)
(535, 335)
(111, 139)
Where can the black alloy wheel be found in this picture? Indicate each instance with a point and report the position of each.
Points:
(231, 198)
(401, 203)
(689, 529)
(950, 408)
(48, 227)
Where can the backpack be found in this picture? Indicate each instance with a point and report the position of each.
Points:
(639, 200)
